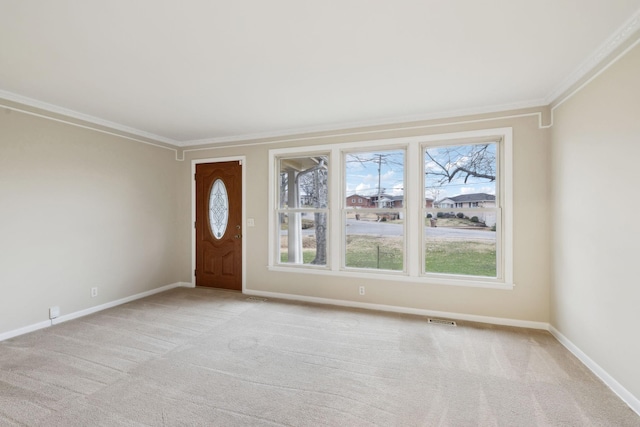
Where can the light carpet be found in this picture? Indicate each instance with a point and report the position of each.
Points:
(196, 357)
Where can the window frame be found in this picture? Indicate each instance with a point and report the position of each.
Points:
(344, 152)
(460, 207)
(414, 206)
(277, 209)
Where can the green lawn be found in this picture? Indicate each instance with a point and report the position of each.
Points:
(307, 256)
(465, 257)
(384, 253)
(451, 257)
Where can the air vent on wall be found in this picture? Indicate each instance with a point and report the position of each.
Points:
(443, 322)
(256, 299)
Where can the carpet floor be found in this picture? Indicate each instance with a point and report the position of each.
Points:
(196, 357)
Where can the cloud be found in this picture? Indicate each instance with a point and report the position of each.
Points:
(362, 186)
(468, 190)
(398, 189)
(430, 165)
(489, 189)
(369, 178)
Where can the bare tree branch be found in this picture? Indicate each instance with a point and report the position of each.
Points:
(467, 161)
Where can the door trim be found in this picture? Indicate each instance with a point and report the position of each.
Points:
(195, 162)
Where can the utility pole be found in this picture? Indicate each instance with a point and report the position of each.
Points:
(379, 182)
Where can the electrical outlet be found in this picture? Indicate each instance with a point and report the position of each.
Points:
(361, 290)
(251, 222)
(94, 292)
(54, 312)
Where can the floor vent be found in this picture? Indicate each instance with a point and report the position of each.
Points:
(256, 299)
(443, 322)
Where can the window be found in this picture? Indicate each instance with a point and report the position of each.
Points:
(302, 228)
(431, 209)
(462, 241)
(375, 238)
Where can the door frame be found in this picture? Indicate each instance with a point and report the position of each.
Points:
(243, 163)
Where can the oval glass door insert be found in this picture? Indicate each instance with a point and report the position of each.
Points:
(218, 209)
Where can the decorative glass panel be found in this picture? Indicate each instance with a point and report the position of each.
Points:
(218, 209)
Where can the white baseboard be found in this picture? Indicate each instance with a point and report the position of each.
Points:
(115, 303)
(71, 316)
(614, 385)
(405, 310)
(24, 330)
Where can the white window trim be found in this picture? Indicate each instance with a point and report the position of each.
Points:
(413, 191)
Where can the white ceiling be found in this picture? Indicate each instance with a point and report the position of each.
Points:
(195, 71)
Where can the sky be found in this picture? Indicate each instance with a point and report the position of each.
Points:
(362, 173)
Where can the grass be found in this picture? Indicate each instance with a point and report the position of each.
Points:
(307, 256)
(308, 249)
(456, 222)
(386, 253)
(463, 257)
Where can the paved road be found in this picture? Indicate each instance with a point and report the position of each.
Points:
(387, 229)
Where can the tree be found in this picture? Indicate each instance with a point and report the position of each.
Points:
(314, 183)
(446, 165)
(319, 198)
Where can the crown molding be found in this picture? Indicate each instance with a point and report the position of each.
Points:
(55, 109)
(595, 60)
(294, 132)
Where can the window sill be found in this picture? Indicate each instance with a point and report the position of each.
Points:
(396, 276)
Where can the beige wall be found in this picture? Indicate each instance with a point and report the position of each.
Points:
(82, 209)
(596, 288)
(529, 300)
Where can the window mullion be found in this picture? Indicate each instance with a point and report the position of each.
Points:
(336, 202)
(413, 208)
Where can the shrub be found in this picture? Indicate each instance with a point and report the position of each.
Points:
(460, 215)
(440, 215)
(493, 228)
(474, 219)
(429, 215)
